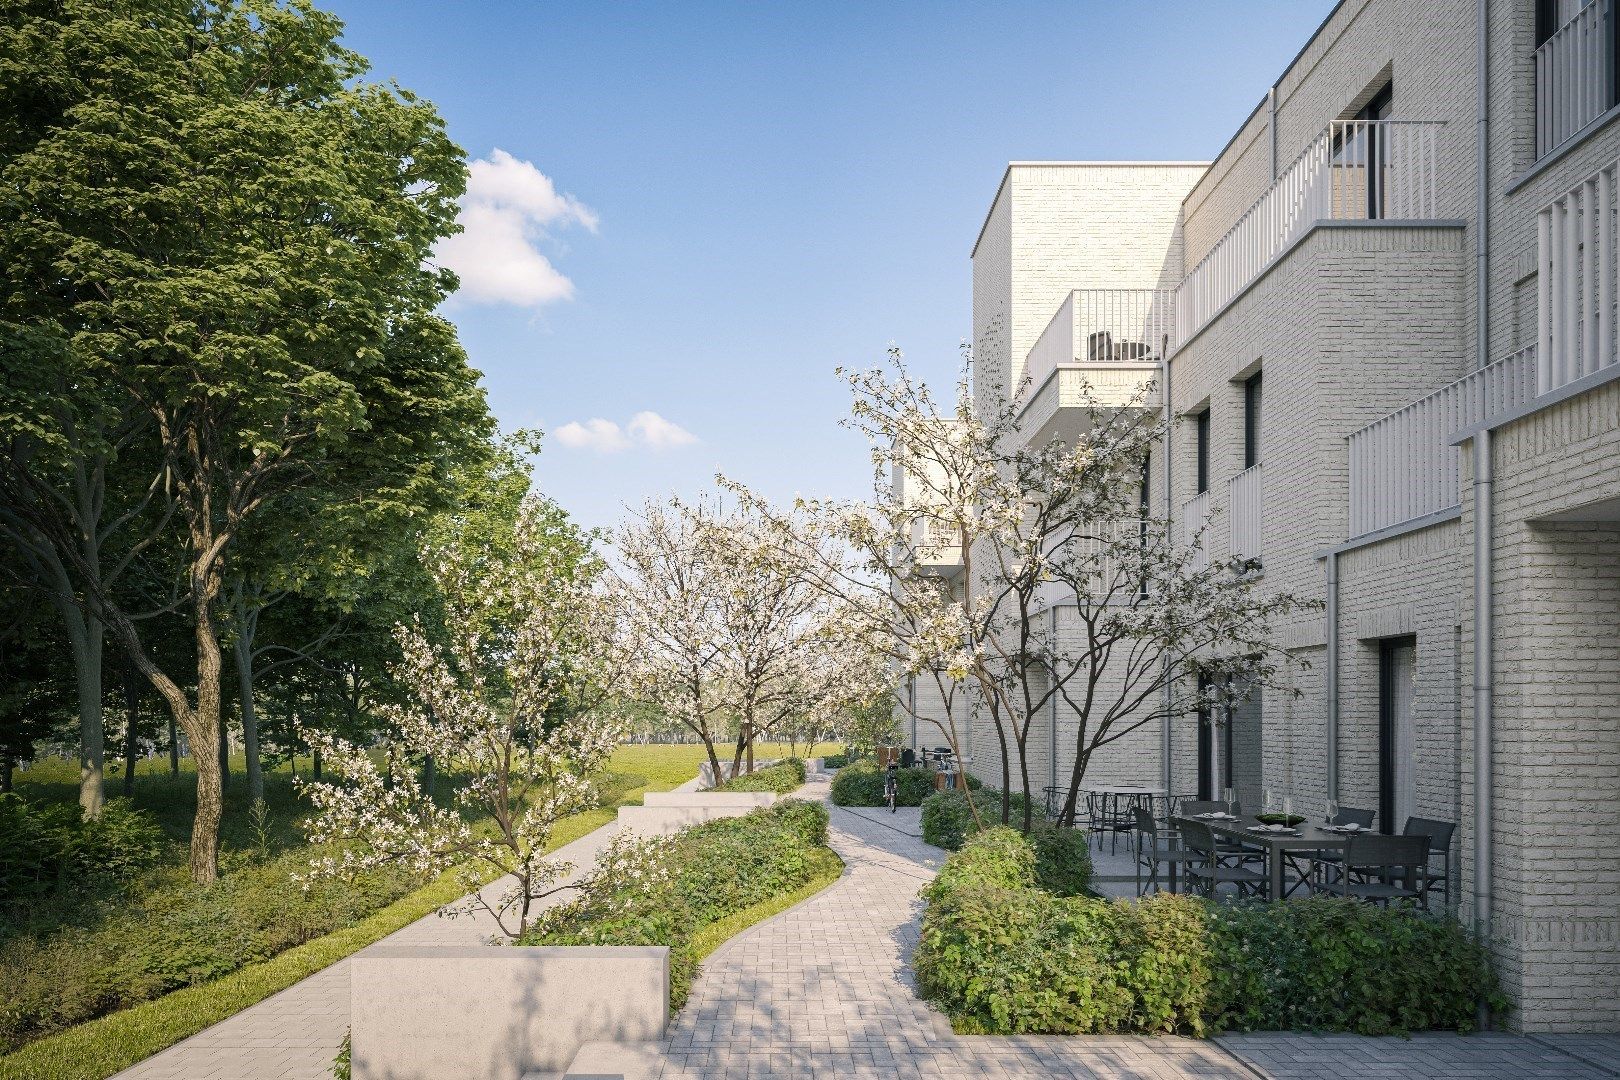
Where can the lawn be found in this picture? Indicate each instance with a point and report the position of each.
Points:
(80, 986)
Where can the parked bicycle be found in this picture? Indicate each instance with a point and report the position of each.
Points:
(891, 786)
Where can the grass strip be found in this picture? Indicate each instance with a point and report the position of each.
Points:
(110, 1044)
(829, 868)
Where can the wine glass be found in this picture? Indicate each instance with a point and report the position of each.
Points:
(1333, 811)
(1269, 800)
(1230, 801)
(1288, 808)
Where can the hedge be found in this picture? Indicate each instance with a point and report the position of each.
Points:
(784, 778)
(946, 820)
(860, 783)
(1002, 956)
(713, 872)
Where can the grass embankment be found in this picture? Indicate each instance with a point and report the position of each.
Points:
(103, 1046)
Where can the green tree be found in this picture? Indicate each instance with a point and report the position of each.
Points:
(225, 230)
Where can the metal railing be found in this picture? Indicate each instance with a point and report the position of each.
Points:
(1104, 326)
(1403, 466)
(1574, 75)
(1190, 528)
(1576, 278)
(1355, 170)
(1246, 499)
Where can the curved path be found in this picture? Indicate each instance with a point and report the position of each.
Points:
(824, 990)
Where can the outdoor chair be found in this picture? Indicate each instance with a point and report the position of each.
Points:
(1107, 814)
(1439, 834)
(1374, 862)
(1214, 867)
(1150, 855)
(1348, 815)
(1193, 807)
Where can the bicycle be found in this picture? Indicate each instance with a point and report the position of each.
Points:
(891, 787)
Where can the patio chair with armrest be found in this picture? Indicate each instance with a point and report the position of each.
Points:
(1151, 853)
(1107, 813)
(1439, 834)
(1374, 861)
(1214, 867)
(1348, 815)
(1194, 807)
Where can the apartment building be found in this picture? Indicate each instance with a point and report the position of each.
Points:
(1385, 319)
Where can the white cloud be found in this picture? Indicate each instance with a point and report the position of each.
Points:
(509, 208)
(646, 430)
(660, 434)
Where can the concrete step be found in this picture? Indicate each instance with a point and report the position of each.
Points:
(616, 1061)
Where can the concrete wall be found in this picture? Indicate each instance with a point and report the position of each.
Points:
(668, 820)
(747, 800)
(481, 1013)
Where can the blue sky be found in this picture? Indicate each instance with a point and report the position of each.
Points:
(743, 197)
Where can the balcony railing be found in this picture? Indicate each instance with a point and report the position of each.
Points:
(1355, 170)
(1403, 467)
(1576, 280)
(1247, 503)
(1574, 75)
(1104, 326)
(1190, 529)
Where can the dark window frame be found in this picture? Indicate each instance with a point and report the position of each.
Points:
(1253, 414)
(1201, 474)
(1386, 726)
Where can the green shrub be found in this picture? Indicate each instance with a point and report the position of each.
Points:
(1332, 963)
(947, 821)
(701, 875)
(1002, 956)
(860, 783)
(1062, 859)
(835, 761)
(51, 848)
(784, 778)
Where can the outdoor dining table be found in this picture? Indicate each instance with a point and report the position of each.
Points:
(1304, 837)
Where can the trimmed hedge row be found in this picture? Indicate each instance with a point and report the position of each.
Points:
(706, 873)
(784, 778)
(1062, 856)
(860, 783)
(1002, 956)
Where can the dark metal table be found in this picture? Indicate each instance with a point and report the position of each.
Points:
(1307, 837)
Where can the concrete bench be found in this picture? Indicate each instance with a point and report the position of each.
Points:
(499, 1013)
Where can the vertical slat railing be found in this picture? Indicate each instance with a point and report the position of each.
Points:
(1191, 528)
(1574, 75)
(1246, 502)
(1403, 466)
(1576, 248)
(1104, 326)
(1354, 170)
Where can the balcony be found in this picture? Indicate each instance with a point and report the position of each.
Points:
(1246, 498)
(1403, 467)
(1103, 349)
(1356, 170)
(930, 544)
(1190, 529)
(1575, 81)
(1576, 278)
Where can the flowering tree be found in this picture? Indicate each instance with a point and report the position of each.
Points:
(516, 699)
(976, 535)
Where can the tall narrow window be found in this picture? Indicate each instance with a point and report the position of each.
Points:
(1361, 157)
(1251, 421)
(1203, 452)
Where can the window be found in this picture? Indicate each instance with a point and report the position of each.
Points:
(1203, 452)
(1360, 155)
(1251, 421)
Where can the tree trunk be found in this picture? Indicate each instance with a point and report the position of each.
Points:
(205, 729)
(430, 776)
(315, 764)
(250, 716)
(174, 748)
(86, 635)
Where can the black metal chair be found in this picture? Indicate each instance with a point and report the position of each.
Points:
(1347, 815)
(1439, 834)
(1107, 814)
(1374, 861)
(1215, 867)
(1150, 855)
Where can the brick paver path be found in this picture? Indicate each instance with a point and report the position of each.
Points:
(294, 1035)
(824, 990)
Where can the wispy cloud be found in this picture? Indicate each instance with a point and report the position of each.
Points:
(646, 430)
(510, 207)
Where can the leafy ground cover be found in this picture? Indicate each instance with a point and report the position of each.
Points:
(1002, 955)
(860, 783)
(99, 971)
(696, 889)
(784, 778)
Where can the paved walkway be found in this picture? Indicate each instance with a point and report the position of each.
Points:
(294, 1035)
(824, 990)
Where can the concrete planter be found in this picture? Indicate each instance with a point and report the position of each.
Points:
(665, 820)
(498, 1013)
(751, 800)
(706, 774)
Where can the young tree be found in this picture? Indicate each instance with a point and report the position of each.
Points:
(224, 231)
(517, 700)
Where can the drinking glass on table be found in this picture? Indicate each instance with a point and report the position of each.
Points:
(1268, 800)
(1288, 806)
(1230, 800)
(1333, 811)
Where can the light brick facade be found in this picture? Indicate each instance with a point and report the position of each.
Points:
(1353, 321)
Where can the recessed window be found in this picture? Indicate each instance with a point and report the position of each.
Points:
(1202, 422)
(1251, 421)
